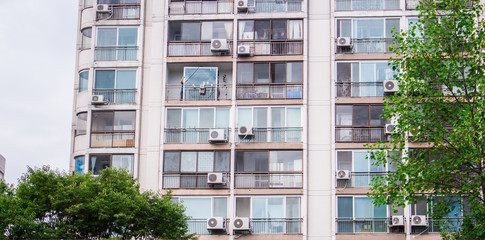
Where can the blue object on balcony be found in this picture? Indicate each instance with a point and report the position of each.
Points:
(293, 94)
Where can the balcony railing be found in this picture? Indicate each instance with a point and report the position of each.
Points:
(276, 225)
(198, 93)
(198, 226)
(269, 180)
(187, 49)
(177, 180)
(273, 91)
(367, 45)
(105, 139)
(201, 7)
(120, 12)
(366, 5)
(274, 48)
(117, 95)
(276, 134)
(360, 134)
(275, 5)
(125, 53)
(448, 224)
(360, 179)
(358, 225)
(360, 89)
(188, 135)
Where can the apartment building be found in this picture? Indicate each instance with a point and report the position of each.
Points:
(253, 112)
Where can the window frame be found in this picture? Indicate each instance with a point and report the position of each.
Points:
(91, 168)
(197, 162)
(198, 116)
(118, 36)
(271, 30)
(236, 171)
(199, 40)
(353, 120)
(270, 77)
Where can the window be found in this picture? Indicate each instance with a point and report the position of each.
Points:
(200, 83)
(199, 209)
(81, 123)
(362, 166)
(368, 35)
(116, 44)
(117, 86)
(362, 79)
(189, 169)
(83, 80)
(271, 214)
(102, 161)
(270, 30)
(118, 1)
(271, 124)
(86, 38)
(269, 169)
(359, 214)
(360, 123)
(79, 164)
(200, 31)
(87, 3)
(113, 129)
(366, 4)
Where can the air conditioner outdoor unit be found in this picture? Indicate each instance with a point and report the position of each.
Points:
(245, 131)
(215, 178)
(216, 223)
(217, 135)
(219, 45)
(344, 42)
(241, 224)
(419, 220)
(397, 220)
(389, 128)
(343, 174)
(102, 8)
(242, 5)
(202, 89)
(243, 50)
(98, 100)
(391, 86)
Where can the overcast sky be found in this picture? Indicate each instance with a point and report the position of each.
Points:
(37, 57)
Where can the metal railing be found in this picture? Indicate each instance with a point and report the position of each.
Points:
(276, 225)
(275, 5)
(360, 89)
(275, 134)
(273, 91)
(198, 93)
(452, 224)
(355, 225)
(359, 179)
(188, 135)
(110, 139)
(184, 49)
(197, 225)
(268, 180)
(360, 134)
(274, 48)
(125, 53)
(120, 12)
(366, 5)
(201, 7)
(367, 45)
(188, 180)
(117, 95)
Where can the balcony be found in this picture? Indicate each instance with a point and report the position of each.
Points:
(276, 134)
(275, 5)
(273, 91)
(114, 53)
(360, 134)
(451, 224)
(360, 89)
(274, 48)
(359, 179)
(178, 180)
(110, 139)
(117, 95)
(188, 135)
(367, 45)
(361, 225)
(198, 226)
(276, 225)
(201, 7)
(120, 12)
(187, 49)
(269, 180)
(197, 93)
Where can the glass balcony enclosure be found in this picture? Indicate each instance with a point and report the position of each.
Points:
(119, 10)
(362, 79)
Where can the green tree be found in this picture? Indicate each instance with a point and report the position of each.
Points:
(440, 107)
(49, 204)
